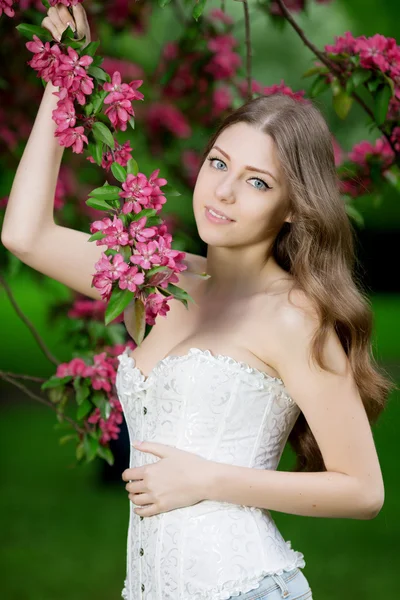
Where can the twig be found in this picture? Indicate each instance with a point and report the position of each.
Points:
(248, 49)
(27, 322)
(40, 399)
(223, 5)
(20, 376)
(331, 66)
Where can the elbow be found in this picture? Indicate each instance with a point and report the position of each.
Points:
(372, 504)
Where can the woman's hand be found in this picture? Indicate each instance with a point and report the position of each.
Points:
(59, 19)
(179, 479)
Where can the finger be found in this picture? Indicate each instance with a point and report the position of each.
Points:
(48, 24)
(133, 473)
(136, 487)
(81, 20)
(146, 511)
(57, 22)
(140, 499)
(65, 17)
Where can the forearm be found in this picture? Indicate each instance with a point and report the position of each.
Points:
(31, 202)
(323, 494)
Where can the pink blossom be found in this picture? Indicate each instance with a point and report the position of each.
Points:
(146, 255)
(126, 68)
(131, 279)
(363, 152)
(64, 115)
(46, 59)
(114, 231)
(103, 283)
(170, 51)
(282, 88)
(129, 90)
(222, 100)
(225, 62)
(166, 116)
(372, 52)
(6, 7)
(343, 44)
(103, 372)
(219, 15)
(75, 368)
(192, 162)
(156, 304)
(136, 193)
(73, 137)
(111, 266)
(139, 232)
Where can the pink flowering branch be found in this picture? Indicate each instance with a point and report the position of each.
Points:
(332, 66)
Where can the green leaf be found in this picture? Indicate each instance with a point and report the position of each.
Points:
(91, 444)
(65, 438)
(106, 192)
(360, 76)
(168, 190)
(97, 100)
(29, 31)
(374, 84)
(381, 105)
(98, 204)
(178, 292)
(55, 382)
(90, 49)
(98, 73)
(132, 167)
(99, 235)
(342, 103)
(80, 451)
(319, 85)
(101, 132)
(313, 71)
(118, 171)
(198, 9)
(46, 3)
(84, 409)
(135, 320)
(354, 214)
(163, 3)
(105, 453)
(132, 122)
(119, 300)
(146, 212)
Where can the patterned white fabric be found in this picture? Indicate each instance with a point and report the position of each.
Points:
(225, 411)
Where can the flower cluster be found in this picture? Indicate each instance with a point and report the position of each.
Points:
(356, 174)
(101, 375)
(120, 100)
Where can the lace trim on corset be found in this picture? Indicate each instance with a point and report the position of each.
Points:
(124, 593)
(134, 378)
(251, 582)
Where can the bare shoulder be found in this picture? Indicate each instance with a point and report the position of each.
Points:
(196, 266)
(292, 320)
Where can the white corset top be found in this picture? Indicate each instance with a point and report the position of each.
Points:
(225, 411)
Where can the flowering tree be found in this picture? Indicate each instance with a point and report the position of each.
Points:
(200, 77)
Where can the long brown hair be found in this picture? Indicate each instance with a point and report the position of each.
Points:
(317, 248)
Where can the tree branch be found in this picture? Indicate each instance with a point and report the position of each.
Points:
(248, 50)
(27, 322)
(34, 396)
(333, 67)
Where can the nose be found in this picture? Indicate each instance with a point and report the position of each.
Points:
(225, 190)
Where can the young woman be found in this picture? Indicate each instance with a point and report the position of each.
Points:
(276, 347)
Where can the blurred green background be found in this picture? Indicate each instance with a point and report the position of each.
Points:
(63, 530)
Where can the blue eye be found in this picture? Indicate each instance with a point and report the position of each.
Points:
(212, 159)
(264, 186)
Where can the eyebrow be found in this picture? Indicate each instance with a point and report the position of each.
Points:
(249, 168)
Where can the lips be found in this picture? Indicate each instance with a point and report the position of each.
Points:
(219, 212)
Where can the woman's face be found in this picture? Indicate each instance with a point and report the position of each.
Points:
(241, 177)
